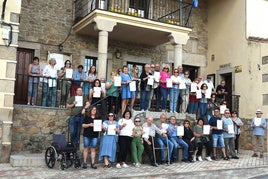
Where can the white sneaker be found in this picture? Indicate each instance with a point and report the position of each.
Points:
(137, 165)
(194, 158)
(125, 165)
(208, 159)
(200, 159)
(118, 165)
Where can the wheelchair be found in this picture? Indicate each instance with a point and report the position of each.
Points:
(63, 152)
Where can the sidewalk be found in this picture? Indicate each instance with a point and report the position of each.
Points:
(177, 170)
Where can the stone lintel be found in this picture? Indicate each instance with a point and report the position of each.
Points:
(178, 38)
(104, 24)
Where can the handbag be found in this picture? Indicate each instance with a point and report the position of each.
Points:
(204, 140)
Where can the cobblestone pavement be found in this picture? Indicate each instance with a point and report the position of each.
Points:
(245, 167)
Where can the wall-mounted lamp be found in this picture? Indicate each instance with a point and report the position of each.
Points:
(118, 54)
(60, 47)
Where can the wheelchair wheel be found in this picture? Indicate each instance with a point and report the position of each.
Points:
(50, 157)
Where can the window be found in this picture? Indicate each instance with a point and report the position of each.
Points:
(89, 61)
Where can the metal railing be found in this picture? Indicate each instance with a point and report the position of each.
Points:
(173, 12)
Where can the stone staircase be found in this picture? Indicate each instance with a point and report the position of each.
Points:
(27, 160)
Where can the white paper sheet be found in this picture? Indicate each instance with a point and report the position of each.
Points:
(257, 121)
(79, 100)
(150, 80)
(117, 80)
(111, 129)
(52, 83)
(180, 131)
(68, 73)
(169, 83)
(164, 127)
(103, 87)
(208, 94)
(219, 124)
(206, 129)
(97, 92)
(156, 76)
(146, 132)
(193, 87)
(97, 125)
(182, 85)
(231, 129)
(198, 94)
(222, 109)
(132, 86)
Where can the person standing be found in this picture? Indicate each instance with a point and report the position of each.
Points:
(49, 90)
(135, 77)
(137, 147)
(185, 92)
(34, 72)
(221, 91)
(258, 124)
(65, 82)
(125, 89)
(156, 87)
(77, 117)
(216, 125)
(91, 76)
(228, 135)
(174, 91)
(90, 137)
(164, 74)
(113, 94)
(145, 88)
(237, 124)
(78, 76)
(210, 84)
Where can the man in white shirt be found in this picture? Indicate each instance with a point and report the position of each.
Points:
(210, 84)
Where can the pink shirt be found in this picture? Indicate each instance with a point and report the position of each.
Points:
(163, 77)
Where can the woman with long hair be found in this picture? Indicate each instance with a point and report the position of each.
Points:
(125, 89)
(91, 76)
(164, 74)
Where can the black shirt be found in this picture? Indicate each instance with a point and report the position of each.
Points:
(88, 132)
(222, 89)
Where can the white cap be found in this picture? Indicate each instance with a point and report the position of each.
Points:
(258, 111)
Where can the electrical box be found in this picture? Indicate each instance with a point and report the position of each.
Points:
(5, 34)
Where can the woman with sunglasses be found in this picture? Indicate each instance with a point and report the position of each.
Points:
(137, 147)
(237, 124)
(110, 128)
(205, 95)
(164, 74)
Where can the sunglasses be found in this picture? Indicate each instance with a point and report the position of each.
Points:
(137, 121)
(111, 115)
(152, 67)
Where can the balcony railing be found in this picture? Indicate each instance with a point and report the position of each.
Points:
(167, 11)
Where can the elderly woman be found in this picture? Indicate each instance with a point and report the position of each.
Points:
(164, 74)
(137, 147)
(145, 88)
(49, 84)
(34, 72)
(202, 140)
(125, 92)
(112, 93)
(110, 128)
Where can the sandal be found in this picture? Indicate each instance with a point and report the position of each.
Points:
(226, 158)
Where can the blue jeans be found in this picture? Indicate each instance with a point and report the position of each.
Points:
(174, 94)
(164, 94)
(218, 138)
(163, 141)
(203, 109)
(90, 142)
(193, 106)
(75, 129)
(176, 142)
(144, 100)
(49, 96)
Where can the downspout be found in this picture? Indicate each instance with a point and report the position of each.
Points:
(4, 9)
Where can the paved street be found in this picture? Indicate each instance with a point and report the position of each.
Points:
(245, 167)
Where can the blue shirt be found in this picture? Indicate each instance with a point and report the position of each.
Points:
(77, 75)
(171, 131)
(226, 122)
(257, 130)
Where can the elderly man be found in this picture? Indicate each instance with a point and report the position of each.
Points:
(164, 141)
(150, 130)
(259, 126)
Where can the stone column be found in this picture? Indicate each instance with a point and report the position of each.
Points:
(177, 40)
(103, 26)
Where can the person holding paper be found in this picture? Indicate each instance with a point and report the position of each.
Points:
(126, 126)
(113, 94)
(95, 97)
(258, 124)
(164, 141)
(125, 89)
(145, 88)
(216, 123)
(174, 91)
(149, 139)
(193, 100)
(212, 104)
(177, 140)
(189, 138)
(108, 141)
(136, 80)
(185, 92)
(228, 135)
(137, 147)
(34, 72)
(210, 84)
(201, 134)
(91, 76)
(49, 89)
(66, 74)
(90, 137)
(76, 118)
(164, 75)
(237, 124)
(203, 103)
(155, 70)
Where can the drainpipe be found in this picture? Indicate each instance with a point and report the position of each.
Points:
(4, 9)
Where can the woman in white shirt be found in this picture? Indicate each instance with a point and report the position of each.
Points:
(126, 126)
(174, 91)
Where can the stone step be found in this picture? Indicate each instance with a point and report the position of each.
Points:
(27, 160)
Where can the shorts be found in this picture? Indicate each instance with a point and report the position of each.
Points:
(218, 140)
(90, 141)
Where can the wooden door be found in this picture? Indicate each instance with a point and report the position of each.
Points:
(24, 58)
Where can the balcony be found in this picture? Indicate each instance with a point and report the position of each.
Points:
(150, 22)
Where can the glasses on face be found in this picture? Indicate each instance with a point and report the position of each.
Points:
(152, 67)
(111, 115)
(187, 123)
(176, 72)
(137, 121)
(234, 113)
(227, 113)
(216, 111)
(224, 103)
